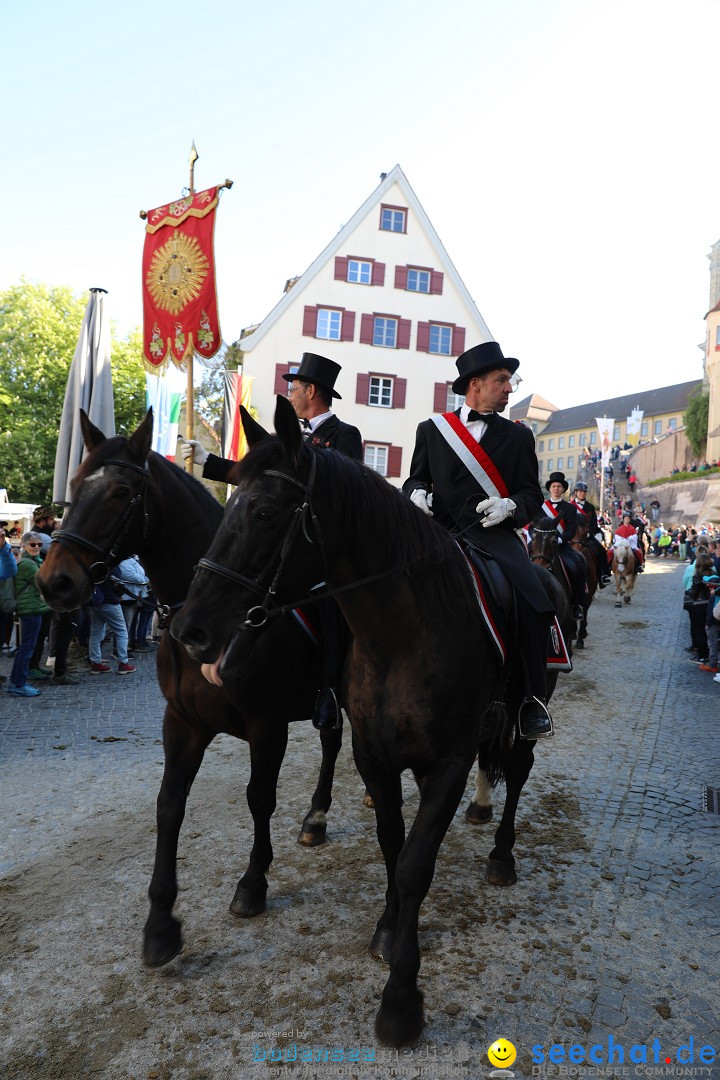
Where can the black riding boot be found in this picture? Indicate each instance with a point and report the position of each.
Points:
(534, 720)
(327, 715)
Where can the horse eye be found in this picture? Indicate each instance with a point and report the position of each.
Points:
(265, 514)
(122, 492)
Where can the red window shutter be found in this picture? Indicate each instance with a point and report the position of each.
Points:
(281, 386)
(394, 461)
(362, 390)
(341, 267)
(440, 397)
(423, 337)
(458, 340)
(310, 322)
(401, 277)
(399, 389)
(378, 273)
(436, 281)
(403, 334)
(367, 326)
(347, 330)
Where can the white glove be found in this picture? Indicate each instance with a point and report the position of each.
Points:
(494, 510)
(423, 500)
(191, 448)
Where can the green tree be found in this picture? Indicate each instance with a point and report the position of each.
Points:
(696, 422)
(39, 328)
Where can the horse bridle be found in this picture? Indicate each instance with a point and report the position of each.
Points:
(543, 558)
(257, 616)
(99, 571)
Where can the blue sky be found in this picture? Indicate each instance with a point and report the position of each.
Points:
(565, 151)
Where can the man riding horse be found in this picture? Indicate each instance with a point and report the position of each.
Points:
(479, 474)
(564, 514)
(594, 535)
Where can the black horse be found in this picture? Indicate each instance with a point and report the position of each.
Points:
(421, 671)
(127, 499)
(545, 554)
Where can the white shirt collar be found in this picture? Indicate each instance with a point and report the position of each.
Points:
(316, 421)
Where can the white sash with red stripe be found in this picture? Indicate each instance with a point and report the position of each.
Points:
(459, 439)
(551, 512)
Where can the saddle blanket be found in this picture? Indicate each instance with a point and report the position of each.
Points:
(496, 614)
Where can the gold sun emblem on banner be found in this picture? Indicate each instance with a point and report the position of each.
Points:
(176, 273)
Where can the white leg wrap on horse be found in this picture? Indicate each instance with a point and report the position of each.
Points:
(483, 795)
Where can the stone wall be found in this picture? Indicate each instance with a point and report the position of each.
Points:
(659, 459)
(686, 502)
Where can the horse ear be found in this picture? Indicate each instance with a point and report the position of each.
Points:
(288, 429)
(254, 432)
(140, 442)
(92, 436)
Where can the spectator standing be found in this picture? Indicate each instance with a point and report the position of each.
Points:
(30, 608)
(107, 613)
(712, 623)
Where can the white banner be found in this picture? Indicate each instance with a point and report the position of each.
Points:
(634, 424)
(605, 431)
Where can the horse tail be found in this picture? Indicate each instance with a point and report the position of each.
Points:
(497, 732)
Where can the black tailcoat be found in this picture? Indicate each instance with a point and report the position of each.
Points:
(436, 468)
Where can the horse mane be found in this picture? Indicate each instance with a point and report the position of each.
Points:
(376, 520)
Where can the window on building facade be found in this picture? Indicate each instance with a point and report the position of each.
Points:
(385, 332)
(560, 463)
(672, 424)
(593, 438)
(643, 428)
(551, 444)
(376, 458)
(440, 339)
(533, 426)
(541, 446)
(393, 219)
(717, 337)
(657, 427)
(571, 462)
(453, 401)
(561, 442)
(359, 272)
(571, 440)
(328, 325)
(418, 280)
(550, 464)
(616, 433)
(583, 438)
(380, 392)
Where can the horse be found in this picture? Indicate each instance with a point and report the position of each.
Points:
(419, 676)
(580, 543)
(127, 499)
(544, 552)
(624, 568)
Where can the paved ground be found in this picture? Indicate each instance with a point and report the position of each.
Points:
(610, 934)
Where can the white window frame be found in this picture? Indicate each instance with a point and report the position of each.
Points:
(551, 444)
(583, 438)
(643, 428)
(328, 321)
(394, 217)
(443, 336)
(380, 392)
(453, 401)
(376, 458)
(593, 438)
(550, 465)
(420, 278)
(561, 443)
(672, 424)
(362, 271)
(381, 326)
(560, 463)
(657, 427)
(571, 461)
(571, 440)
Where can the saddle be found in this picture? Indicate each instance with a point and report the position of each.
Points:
(496, 597)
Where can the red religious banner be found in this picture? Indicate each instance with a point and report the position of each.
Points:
(178, 271)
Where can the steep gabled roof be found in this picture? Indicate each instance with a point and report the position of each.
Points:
(666, 399)
(531, 403)
(339, 241)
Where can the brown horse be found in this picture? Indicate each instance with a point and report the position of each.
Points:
(624, 568)
(580, 543)
(127, 499)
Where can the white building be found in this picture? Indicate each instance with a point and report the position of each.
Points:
(385, 302)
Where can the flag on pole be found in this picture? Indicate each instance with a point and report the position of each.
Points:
(238, 389)
(634, 422)
(164, 396)
(89, 387)
(605, 430)
(180, 313)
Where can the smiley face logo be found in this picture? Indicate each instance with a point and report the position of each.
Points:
(502, 1054)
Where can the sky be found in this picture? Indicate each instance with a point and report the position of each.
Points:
(564, 150)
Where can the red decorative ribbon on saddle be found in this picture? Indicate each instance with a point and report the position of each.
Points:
(472, 455)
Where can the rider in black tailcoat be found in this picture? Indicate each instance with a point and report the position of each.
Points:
(581, 502)
(565, 512)
(466, 505)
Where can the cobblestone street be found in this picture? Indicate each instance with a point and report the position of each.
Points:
(610, 934)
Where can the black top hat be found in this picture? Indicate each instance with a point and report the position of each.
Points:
(317, 369)
(479, 360)
(557, 477)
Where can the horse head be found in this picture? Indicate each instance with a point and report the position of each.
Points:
(544, 542)
(107, 513)
(247, 576)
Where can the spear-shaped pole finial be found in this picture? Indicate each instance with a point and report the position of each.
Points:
(193, 158)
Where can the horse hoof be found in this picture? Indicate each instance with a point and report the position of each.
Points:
(312, 835)
(579, 643)
(160, 949)
(618, 603)
(381, 946)
(400, 1028)
(478, 815)
(368, 802)
(245, 906)
(500, 873)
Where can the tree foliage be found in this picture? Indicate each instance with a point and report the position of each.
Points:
(696, 422)
(39, 329)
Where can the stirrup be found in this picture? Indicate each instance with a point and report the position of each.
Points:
(539, 725)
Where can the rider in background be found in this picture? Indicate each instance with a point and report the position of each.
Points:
(594, 537)
(565, 515)
(628, 531)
